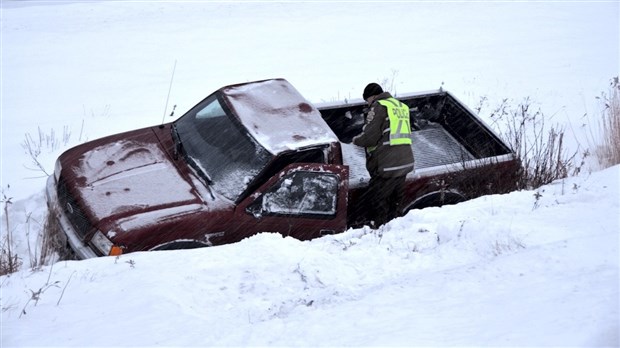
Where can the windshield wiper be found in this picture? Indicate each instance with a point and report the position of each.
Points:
(204, 176)
(178, 145)
(201, 173)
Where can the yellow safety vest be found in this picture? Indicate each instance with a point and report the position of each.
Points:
(400, 127)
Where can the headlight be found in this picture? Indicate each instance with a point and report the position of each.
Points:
(104, 245)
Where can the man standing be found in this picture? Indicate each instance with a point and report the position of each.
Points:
(389, 157)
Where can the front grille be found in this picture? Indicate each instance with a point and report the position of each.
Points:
(72, 210)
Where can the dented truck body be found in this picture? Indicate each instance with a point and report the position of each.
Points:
(258, 157)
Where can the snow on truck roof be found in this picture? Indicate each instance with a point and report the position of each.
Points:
(277, 115)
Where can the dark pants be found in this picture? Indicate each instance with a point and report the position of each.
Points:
(383, 199)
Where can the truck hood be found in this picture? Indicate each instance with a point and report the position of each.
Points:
(125, 176)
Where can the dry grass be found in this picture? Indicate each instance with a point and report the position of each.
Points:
(53, 244)
(9, 260)
(608, 150)
(540, 148)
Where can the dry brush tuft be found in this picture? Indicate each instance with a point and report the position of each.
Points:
(608, 150)
(10, 261)
(540, 148)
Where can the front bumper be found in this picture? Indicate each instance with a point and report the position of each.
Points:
(81, 249)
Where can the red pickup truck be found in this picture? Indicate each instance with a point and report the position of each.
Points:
(258, 157)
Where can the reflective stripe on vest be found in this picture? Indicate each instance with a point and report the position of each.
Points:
(398, 114)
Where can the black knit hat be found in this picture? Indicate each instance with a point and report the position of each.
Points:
(372, 89)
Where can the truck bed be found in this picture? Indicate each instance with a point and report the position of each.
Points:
(445, 133)
(433, 146)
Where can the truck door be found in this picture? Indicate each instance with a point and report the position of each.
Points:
(303, 201)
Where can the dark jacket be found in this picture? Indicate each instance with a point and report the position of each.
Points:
(385, 160)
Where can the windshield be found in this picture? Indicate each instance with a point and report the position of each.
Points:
(216, 145)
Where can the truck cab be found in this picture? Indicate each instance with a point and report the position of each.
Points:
(249, 158)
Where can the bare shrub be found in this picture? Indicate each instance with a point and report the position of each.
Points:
(541, 149)
(389, 83)
(34, 145)
(33, 254)
(608, 150)
(10, 262)
(51, 245)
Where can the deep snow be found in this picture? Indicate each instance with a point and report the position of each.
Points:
(498, 270)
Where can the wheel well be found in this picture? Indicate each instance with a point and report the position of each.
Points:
(181, 244)
(435, 199)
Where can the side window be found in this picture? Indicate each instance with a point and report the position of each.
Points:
(213, 109)
(302, 193)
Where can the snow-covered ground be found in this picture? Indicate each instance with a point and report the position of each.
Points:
(499, 270)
